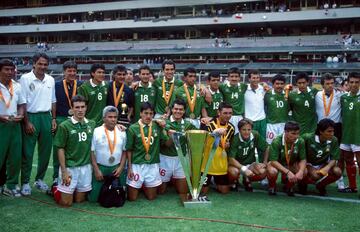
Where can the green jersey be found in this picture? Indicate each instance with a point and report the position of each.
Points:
(234, 95)
(160, 100)
(213, 107)
(199, 103)
(350, 112)
(96, 97)
(143, 94)
(276, 107)
(304, 110)
(134, 143)
(318, 153)
(244, 151)
(296, 152)
(75, 138)
(182, 126)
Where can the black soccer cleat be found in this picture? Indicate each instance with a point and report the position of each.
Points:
(322, 191)
(290, 192)
(272, 192)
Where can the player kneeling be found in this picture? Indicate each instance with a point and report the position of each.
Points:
(287, 155)
(242, 159)
(73, 141)
(322, 152)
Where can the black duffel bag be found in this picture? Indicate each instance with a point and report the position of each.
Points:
(111, 193)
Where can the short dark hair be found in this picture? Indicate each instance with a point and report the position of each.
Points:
(326, 76)
(278, 77)
(214, 74)
(179, 102)
(302, 75)
(118, 68)
(78, 98)
(224, 105)
(353, 75)
(39, 55)
(95, 67)
(189, 70)
(144, 67)
(167, 62)
(6, 62)
(253, 72)
(146, 106)
(243, 122)
(233, 70)
(344, 82)
(292, 126)
(324, 124)
(69, 64)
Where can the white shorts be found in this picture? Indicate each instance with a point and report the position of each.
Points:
(350, 147)
(195, 122)
(170, 166)
(80, 179)
(274, 130)
(235, 119)
(147, 174)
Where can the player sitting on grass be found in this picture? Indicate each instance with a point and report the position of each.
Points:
(287, 155)
(242, 155)
(322, 152)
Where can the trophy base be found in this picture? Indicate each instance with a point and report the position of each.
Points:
(196, 204)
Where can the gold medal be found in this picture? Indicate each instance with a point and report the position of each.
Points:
(167, 109)
(192, 116)
(191, 101)
(147, 157)
(146, 142)
(70, 112)
(11, 90)
(111, 159)
(224, 154)
(67, 94)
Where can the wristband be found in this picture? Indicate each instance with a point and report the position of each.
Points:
(243, 169)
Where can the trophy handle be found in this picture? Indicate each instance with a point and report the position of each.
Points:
(211, 156)
(185, 162)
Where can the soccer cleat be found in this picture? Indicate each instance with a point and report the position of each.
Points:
(340, 183)
(41, 185)
(12, 192)
(272, 192)
(348, 190)
(302, 188)
(264, 182)
(235, 188)
(26, 189)
(203, 197)
(247, 186)
(290, 192)
(322, 191)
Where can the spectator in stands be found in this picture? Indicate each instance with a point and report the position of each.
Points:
(129, 77)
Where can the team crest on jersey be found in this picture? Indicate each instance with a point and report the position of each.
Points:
(73, 132)
(272, 99)
(32, 87)
(155, 133)
(327, 148)
(295, 150)
(252, 145)
(313, 146)
(92, 92)
(152, 93)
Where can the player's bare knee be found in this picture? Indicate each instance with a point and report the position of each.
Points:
(337, 171)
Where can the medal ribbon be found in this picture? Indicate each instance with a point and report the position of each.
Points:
(327, 108)
(113, 144)
(223, 137)
(287, 154)
(67, 92)
(190, 101)
(11, 90)
(167, 97)
(146, 143)
(117, 96)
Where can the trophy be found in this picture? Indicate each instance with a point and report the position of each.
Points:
(193, 148)
(123, 113)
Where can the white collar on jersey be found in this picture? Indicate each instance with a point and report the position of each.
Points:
(273, 92)
(358, 93)
(317, 139)
(307, 88)
(283, 139)
(228, 84)
(149, 86)
(251, 137)
(74, 121)
(173, 120)
(172, 80)
(213, 92)
(94, 85)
